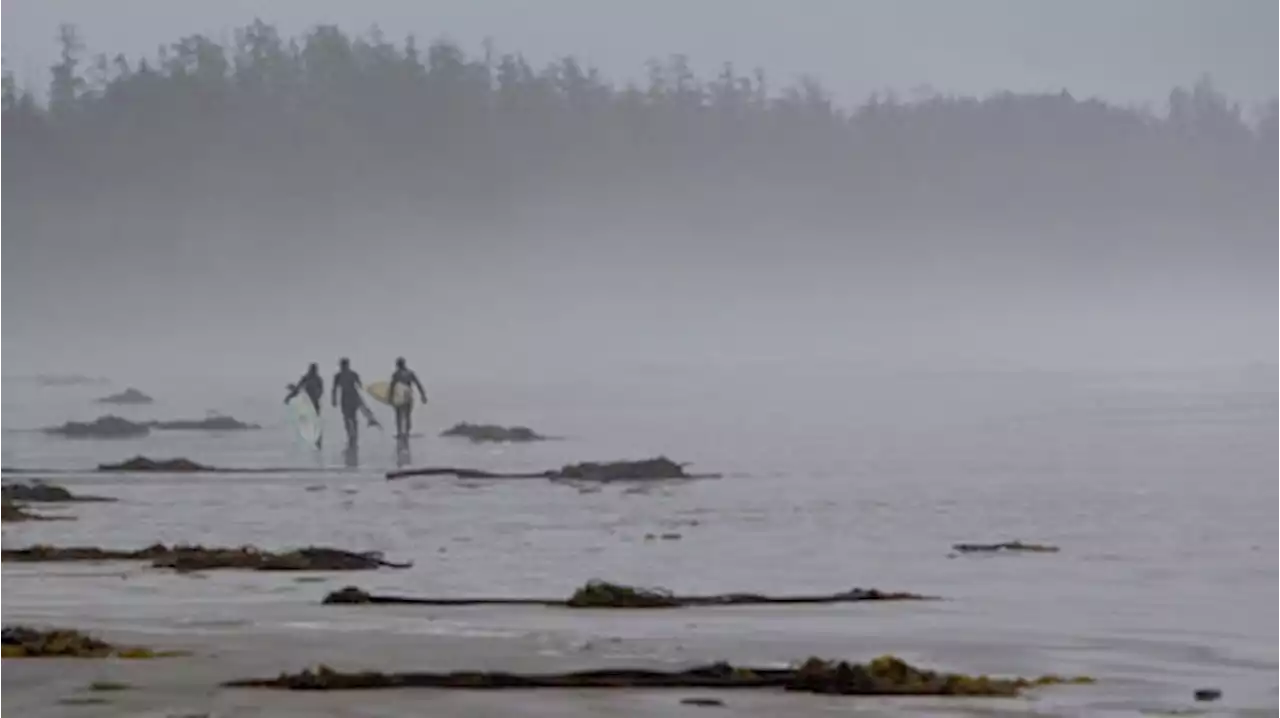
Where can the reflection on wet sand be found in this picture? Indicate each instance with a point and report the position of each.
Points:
(403, 456)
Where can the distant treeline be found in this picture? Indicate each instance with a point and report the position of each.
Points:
(330, 120)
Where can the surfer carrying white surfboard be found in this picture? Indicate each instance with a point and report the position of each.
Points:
(313, 386)
(347, 384)
(403, 381)
(310, 384)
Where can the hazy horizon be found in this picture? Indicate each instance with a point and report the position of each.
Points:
(559, 223)
(1125, 53)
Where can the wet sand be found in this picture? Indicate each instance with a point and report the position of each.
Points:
(286, 629)
(188, 686)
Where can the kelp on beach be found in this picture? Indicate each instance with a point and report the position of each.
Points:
(886, 675)
(27, 642)
(201, 558)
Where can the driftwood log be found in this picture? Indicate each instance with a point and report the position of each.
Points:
(600, 594)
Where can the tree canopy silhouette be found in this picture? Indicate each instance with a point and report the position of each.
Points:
(328, 121)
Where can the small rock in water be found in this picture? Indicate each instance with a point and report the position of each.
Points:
(128, 396)
(671, 537)
(1208, 694)
(698, 701)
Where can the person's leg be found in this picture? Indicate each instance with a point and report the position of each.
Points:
(351, 425)
(315, 401)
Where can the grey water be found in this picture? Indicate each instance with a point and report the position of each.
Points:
(1159, 487)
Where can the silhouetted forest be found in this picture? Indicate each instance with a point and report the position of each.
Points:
(327, 123)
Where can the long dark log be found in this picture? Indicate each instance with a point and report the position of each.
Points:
(355, 596)
(465, 473)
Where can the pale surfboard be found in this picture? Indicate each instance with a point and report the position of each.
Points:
(305, 420)
(381, 392)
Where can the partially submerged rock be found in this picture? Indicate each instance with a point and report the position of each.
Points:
(656, 468)
(1207, 694)
(41, 492)
(480, 433)
(168, 466)
(209, 423)
(886, 675)
(26, 642)
(1006, 546)
(13, 513)
(128, 396)
(104, 427)
(602, 594)
(645, 470)
(200, 558)
(115, 427)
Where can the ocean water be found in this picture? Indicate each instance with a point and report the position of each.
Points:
(1159, 487)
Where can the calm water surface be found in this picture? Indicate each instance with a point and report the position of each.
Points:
(1161, 489)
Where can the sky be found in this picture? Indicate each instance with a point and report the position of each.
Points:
(1132, 51)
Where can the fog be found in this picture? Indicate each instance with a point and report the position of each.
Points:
(255, 199)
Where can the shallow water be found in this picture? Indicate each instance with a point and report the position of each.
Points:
(1159, 487)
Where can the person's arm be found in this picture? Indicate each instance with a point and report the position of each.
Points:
(421, 392)
(293, 391)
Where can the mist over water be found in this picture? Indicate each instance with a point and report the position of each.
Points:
(249, 203)
(893, 322)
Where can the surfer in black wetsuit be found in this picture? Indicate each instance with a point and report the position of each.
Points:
(313, 386)
(403, 376)
(310, 384)
(347, 383)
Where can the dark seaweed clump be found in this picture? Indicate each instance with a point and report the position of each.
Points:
(602, 594)
(201, 558)
(887, 675)
(27, 642)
